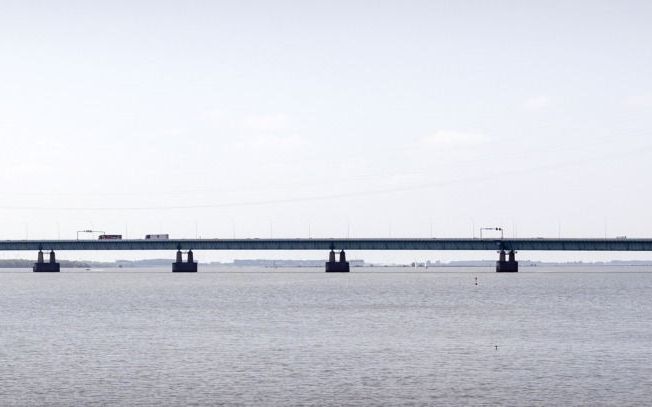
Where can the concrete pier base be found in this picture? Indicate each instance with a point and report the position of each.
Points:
(184, 267)
(507, 265)
(180, 266)
(42, 267)
(341, 266)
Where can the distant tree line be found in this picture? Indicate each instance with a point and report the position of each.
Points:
(22, 263)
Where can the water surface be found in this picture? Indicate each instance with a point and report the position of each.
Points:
(304, 337)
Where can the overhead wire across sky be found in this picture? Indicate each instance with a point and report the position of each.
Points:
(354, 194)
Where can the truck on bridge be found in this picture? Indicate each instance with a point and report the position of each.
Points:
(157, 237)
(110, 237)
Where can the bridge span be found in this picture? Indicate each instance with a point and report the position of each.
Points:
(507, 248)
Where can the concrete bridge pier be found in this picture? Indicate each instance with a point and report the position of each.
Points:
(341, 266)
(51, 267)
(507, 265)
(179, 266)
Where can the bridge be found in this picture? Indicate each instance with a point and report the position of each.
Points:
(507, 248)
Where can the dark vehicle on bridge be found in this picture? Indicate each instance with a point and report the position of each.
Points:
(110, 237)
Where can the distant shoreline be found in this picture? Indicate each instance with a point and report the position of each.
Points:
(266, 263)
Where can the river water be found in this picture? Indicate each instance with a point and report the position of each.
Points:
(577, 336)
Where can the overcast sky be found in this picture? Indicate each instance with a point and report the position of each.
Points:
(358, 118)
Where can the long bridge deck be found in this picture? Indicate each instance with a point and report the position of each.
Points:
(538, 244)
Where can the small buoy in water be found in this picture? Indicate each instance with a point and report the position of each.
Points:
(496, 347)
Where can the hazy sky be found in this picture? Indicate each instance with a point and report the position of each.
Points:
(359, 118)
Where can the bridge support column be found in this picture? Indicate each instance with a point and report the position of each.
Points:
(51, 267)
(180, 266)
(341, 266)
(509, 265)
